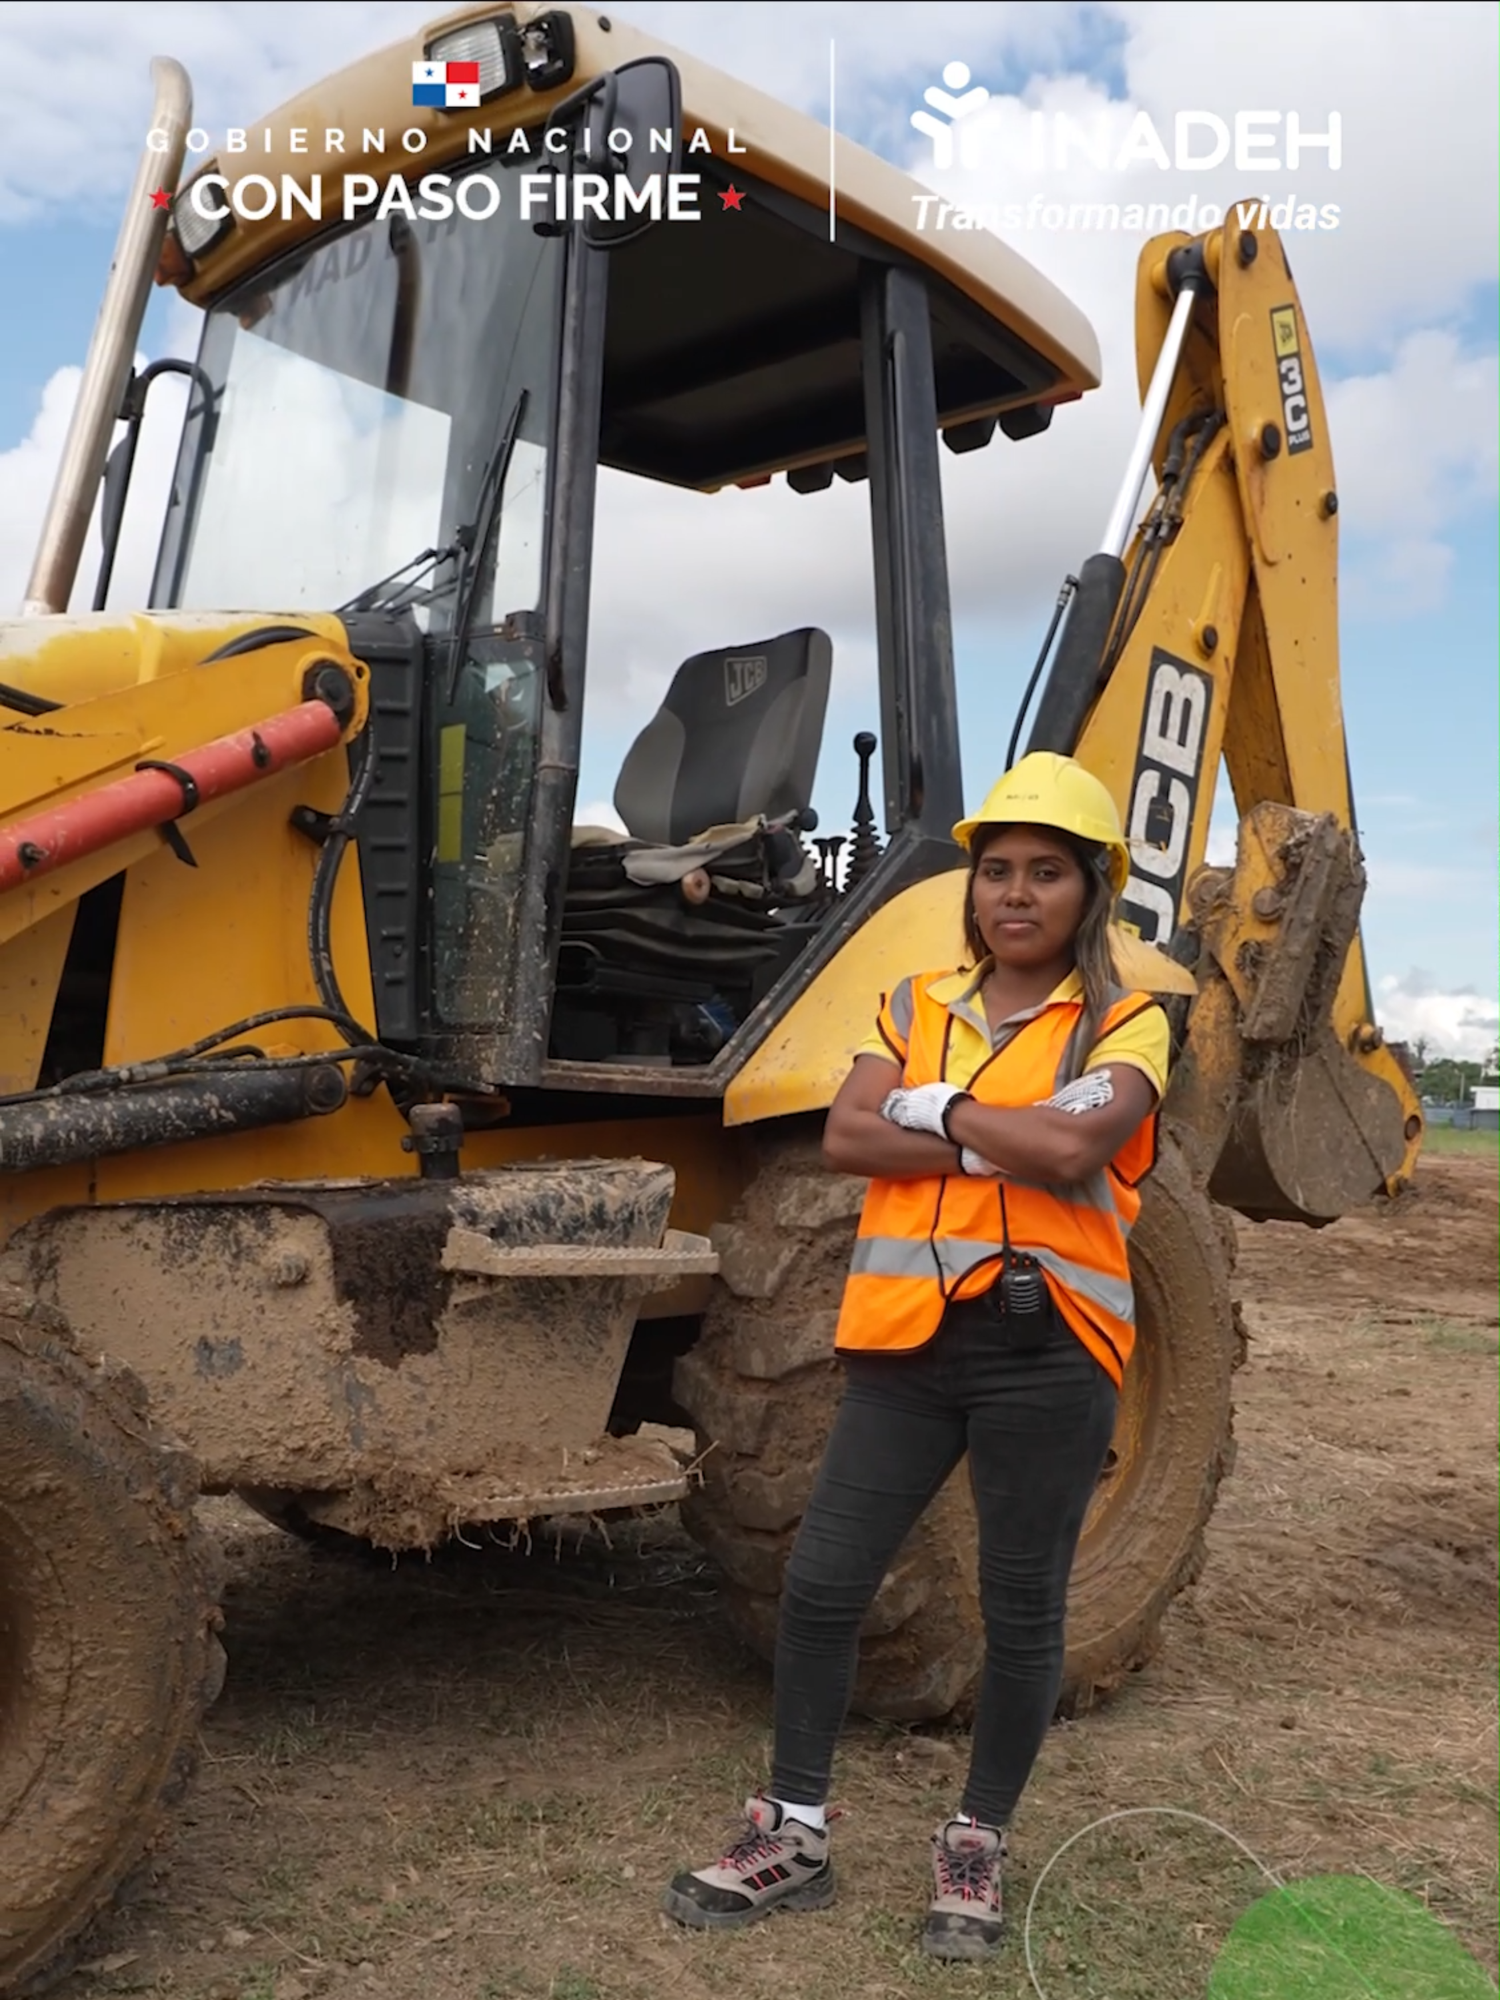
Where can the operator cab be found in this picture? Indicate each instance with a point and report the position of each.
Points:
(624, 523)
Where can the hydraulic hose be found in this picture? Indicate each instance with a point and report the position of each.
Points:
(325, 877)
(56, 1132)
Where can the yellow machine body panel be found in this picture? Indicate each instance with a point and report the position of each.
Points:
(201, 946)
(85, 654)
(30, 968)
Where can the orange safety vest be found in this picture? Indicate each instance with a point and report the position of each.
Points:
(923, 1243)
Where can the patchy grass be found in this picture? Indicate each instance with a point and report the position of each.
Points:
(1457, 1336)
(1453, 1141)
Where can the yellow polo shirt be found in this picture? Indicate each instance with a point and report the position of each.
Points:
(1143, 1042)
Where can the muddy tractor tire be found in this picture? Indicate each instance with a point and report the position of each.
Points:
(761, 1387)
(108, 1635)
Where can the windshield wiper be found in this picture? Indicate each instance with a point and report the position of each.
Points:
(467, 545)
(474, 539)
(373, 597)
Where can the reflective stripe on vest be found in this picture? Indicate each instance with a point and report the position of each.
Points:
(953, 1257)
(923, 1243)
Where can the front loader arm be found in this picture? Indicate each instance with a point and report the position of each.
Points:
(153, 764)
(90, 734)
(1224, 646)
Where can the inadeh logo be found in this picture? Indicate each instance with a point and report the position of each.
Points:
(969, 125)
(445, 86)
(952, 110)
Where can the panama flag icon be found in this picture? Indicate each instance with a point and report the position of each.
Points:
(445, 85)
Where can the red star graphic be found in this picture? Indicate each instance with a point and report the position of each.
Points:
(160, 198)
(732, 197)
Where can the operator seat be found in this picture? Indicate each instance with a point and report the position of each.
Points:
(736, 738)
(668, 937)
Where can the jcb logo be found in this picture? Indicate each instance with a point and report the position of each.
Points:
(743, 676)
(1296, 418)
(1164, 795)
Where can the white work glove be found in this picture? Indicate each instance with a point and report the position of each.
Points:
(1091, 1092)
(975, 1163)
(923, 1108)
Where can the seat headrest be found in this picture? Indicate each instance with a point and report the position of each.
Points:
(737, 735)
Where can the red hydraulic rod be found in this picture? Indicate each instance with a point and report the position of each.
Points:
(153, 797)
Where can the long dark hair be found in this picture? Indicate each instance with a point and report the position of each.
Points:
(1091, 952)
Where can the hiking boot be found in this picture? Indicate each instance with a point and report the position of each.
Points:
(777, 1863)
(964, 1920)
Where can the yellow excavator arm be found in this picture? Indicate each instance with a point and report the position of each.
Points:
(1225, 635)
(1223, 645)
(1207, 632)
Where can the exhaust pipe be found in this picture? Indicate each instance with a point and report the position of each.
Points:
(111, 351)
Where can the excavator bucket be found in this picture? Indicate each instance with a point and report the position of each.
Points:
(1299, 1129)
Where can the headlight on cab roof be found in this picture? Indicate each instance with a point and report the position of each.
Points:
(195, 231)
(494, 45)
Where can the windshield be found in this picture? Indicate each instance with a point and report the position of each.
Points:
(365, 415)
(353, 400)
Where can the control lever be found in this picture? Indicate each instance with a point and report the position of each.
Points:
(836, 845)
(865, 845)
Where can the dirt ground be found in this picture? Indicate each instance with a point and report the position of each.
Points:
(467, 1780)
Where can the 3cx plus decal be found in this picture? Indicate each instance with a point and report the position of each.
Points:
(1296, 418)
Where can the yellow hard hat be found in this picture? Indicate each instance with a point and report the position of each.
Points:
(1047, 790)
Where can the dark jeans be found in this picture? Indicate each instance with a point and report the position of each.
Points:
(1036, 1424)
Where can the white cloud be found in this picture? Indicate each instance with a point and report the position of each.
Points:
(1458, 1024)
(72, 145)
(26, 474)
(1418, 163)
(1416, 452)
(1414, 431)
(1415, 87)
(27, 471)
(679, 573)
(880, 55)
(598, 812)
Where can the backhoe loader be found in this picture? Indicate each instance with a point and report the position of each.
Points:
(381, 1145)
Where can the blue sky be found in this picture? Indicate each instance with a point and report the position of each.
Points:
(1401, 302)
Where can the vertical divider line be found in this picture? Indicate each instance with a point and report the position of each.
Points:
(832, 197)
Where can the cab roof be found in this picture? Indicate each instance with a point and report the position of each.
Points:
(734, 350)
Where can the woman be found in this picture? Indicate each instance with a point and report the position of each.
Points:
(1004, 1115)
